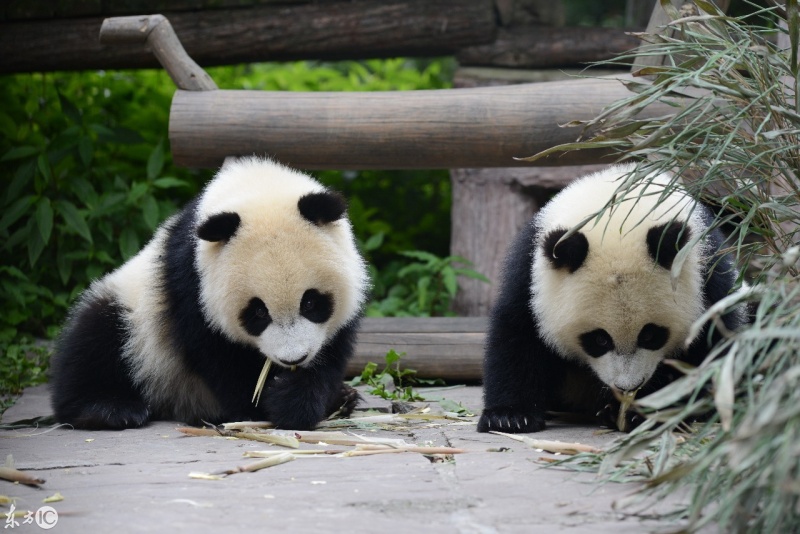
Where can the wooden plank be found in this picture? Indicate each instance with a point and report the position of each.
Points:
(394, 325)
(436, 347)
(328, 30)
(449, 128)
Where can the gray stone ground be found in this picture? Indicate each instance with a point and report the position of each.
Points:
(137, 481)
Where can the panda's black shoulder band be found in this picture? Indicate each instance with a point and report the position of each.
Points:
(322, 208)
(569, 253)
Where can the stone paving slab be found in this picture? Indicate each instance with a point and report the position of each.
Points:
(138, 481)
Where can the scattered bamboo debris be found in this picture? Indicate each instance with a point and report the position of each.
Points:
(56, 497)
(362, 446)
(10, 473)
(555, 447)
(271, 461)
(275, 439)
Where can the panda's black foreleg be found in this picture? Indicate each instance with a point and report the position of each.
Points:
(300, 399)
(517, 374)
(91, 386)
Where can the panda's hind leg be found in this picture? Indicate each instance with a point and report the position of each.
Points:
(91, 385)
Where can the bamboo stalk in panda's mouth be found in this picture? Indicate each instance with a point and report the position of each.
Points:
(262, 379)
(625, 401)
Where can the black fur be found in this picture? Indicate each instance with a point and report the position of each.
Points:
(569, 253)
(92, 388)
(322, 208)
(664, 242)
(219, 227)
(524, 378)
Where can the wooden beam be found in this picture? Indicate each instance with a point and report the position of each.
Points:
(542, 46)
(329, 30)
(448, 128)
(447, 348)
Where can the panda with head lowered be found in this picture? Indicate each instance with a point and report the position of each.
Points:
(579, 317)
(262, 264)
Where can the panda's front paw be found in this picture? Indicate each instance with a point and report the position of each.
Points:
(510, 420)
(344, 401)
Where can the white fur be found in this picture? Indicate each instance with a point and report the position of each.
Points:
(276, 255)
(619, 288)
(156, 365)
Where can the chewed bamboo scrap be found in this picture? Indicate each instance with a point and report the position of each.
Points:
(307, 453)
(370, 449)
(271, 461)
(276, 439)
(243, 425)
(10, 473)
(556, 447)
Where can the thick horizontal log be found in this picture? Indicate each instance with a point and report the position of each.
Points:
(543, 47)
(328, 30)
(448, 128)
(447, 348)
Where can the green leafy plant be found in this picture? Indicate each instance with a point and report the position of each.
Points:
(425, 287)
(732, 139)
(392, 382)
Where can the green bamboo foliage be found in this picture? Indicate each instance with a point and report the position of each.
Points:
(733, 141)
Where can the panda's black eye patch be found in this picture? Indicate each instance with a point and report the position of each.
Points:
(596, 343)
(315, 306)
(652, 337)
(255, 317)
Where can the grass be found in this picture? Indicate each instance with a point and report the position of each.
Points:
(732, 140)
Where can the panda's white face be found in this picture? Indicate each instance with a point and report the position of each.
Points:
(277, 260)
(604, 296)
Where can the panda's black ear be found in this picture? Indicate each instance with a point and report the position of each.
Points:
(322, 208)
(569, 253)
(219, 227)
(664, 242)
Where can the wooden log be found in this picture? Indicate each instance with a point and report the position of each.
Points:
(327, 30)
(448, 128)
(542, 46)
(448, 348)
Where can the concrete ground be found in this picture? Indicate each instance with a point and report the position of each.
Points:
(138, 481)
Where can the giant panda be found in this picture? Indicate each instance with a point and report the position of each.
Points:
(262, 264)
(579, 317)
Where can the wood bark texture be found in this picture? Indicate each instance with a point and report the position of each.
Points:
(329, 30)
(542, 46)
(448, 348)
(449, 128)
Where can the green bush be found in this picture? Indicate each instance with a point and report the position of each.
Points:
(88, 176)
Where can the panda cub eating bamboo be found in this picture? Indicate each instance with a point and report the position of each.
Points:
(595, 312)
(262, 264)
